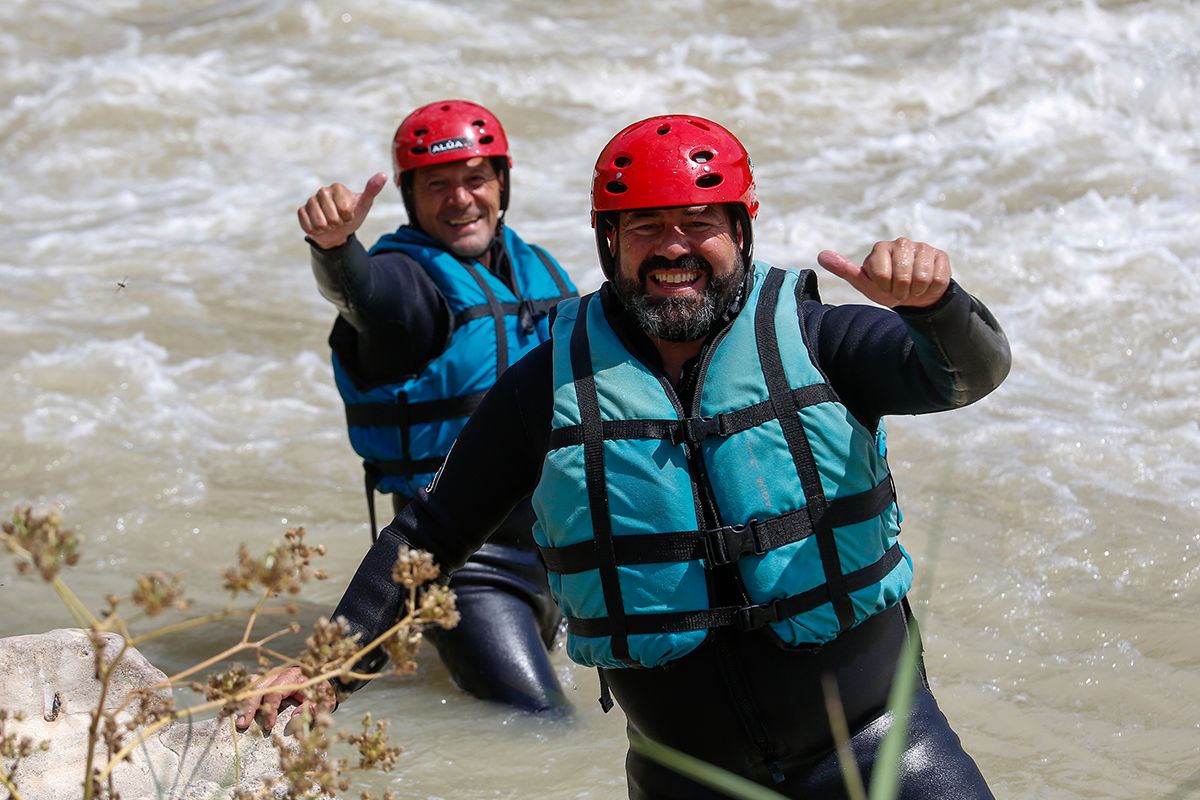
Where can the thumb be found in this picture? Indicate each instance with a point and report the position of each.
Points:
(839, 265)
(370, 192)
(375, 184)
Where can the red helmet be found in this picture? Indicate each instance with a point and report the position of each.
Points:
(672, 160)
(449, 130)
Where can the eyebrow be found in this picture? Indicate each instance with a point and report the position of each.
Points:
(693, 211)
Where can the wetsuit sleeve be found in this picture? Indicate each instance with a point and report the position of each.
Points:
(393, 307)
(910, 360)
(495, 462)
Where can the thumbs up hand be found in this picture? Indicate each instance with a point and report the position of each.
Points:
(897, 273)
(335, 212)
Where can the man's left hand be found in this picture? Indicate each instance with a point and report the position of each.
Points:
(897, 273)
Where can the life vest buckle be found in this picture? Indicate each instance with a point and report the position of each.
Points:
(751, 618)
(728, 543)
(525, 315)
(694, 430)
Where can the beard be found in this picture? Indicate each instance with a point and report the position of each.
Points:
(679, 319)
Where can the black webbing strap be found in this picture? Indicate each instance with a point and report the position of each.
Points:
(564, 291)
(694, 429)
(616, 429)
(863, 506)
(496, 313)
(371, 479)
(376, 471)
(797, 440)
(723, 545)
(606, 701)
(597, 487)
(538, 308)
(745, 618)
(402, 412)
(407, 467)
(534, 309)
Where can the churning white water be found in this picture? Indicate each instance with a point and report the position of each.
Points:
(165, 374)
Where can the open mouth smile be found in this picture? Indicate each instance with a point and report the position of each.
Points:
(462, 222)
(674, 280)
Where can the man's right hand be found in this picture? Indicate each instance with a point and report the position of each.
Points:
(335, 212)
(313, 699)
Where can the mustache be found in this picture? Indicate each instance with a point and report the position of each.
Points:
(691, 261)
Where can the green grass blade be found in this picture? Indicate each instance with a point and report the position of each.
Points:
(851, 777)
(885, 775)
(701, 771)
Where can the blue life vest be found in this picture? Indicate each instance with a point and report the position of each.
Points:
(404, 430)
(803, 499)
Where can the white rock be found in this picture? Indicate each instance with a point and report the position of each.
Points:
(50, 678)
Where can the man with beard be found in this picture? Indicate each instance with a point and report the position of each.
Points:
(704, 443)
(427, 320)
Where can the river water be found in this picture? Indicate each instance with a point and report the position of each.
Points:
(166, 377)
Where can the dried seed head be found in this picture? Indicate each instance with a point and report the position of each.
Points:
(282, 570)
(330, 644)
(38, 540)
(227, 685)
(151, 707)
(372, 744)
(414, 568)
(306, 768)
(158, 591)
(438, 607)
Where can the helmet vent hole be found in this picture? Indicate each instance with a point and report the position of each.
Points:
(478, 123)
(621, 162)
(445, 107)
(698, 124)
(487, 139)
(615, 187)
(708, 181)
(702, 156)
(420, 131)
(419, 150)
(663, 130)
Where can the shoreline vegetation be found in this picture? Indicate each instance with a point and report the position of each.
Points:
(119, 728)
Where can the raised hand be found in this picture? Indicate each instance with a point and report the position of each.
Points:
(335, 212)
(898, 273)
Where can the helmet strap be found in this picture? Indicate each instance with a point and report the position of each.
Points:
(606, 222)
(406, 194)
(500, 165)
(739, 217)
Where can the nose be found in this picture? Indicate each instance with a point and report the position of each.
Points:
(460, 196)
(673, 243)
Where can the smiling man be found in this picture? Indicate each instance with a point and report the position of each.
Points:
(426, 323)
(704, 443)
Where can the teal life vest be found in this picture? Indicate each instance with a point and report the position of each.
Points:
(404, 430)
(803, 501)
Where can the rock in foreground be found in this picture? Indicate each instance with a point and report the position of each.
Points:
(50, 679)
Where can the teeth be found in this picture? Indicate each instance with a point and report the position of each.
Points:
(676, 277)
(467, 221)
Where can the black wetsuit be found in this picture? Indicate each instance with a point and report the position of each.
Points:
(392, 320)
(740, 700)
